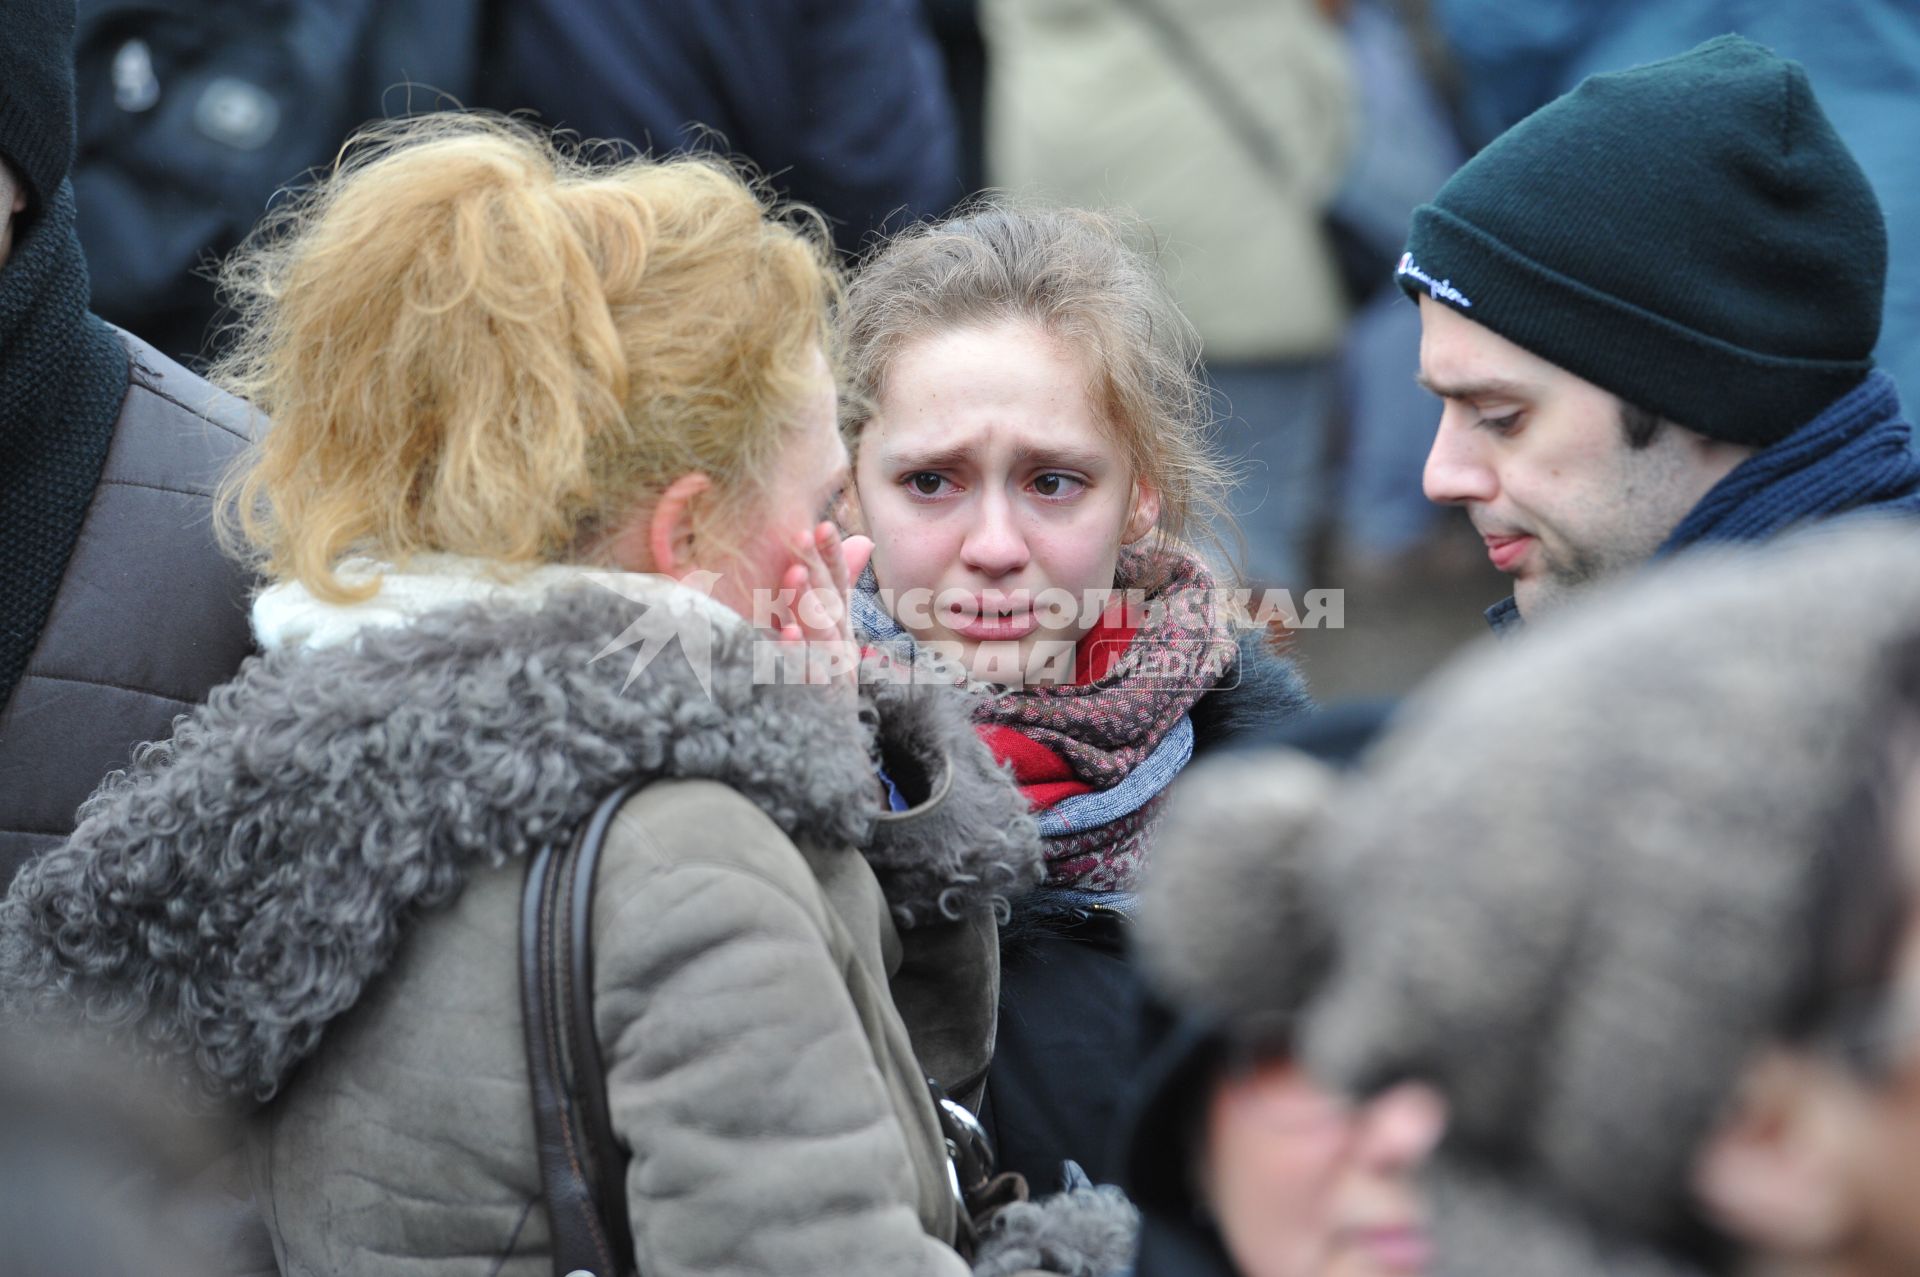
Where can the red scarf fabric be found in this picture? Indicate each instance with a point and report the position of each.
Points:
(1044, 775)
(1090, 734)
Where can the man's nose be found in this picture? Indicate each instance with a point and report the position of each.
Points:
(995, 546)
(1458, 471)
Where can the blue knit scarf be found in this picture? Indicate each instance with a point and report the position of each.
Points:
(1854, 458)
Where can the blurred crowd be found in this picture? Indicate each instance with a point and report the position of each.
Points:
(723, 637)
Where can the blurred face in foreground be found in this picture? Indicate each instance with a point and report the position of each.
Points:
(986, 480)
(1818, 1169)
(1304, 1184)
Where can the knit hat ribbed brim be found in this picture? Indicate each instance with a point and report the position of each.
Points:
(1691, 235)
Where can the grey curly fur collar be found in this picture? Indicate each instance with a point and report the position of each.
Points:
(241, 884)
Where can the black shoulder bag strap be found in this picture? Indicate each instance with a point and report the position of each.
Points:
(582, 1166)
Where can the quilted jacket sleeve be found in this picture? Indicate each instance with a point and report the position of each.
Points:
(753, 1060)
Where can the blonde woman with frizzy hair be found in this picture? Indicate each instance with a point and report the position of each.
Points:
(551, 441)
(566, 340)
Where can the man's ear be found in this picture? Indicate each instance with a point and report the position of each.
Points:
(661, 538)
(1144, 515)
(1772, 1175)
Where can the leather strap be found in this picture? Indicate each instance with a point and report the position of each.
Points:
(582, 1166)
(590, 1076)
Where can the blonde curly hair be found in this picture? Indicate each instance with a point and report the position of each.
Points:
(472, 341)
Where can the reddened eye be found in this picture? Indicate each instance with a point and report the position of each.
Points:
(1057, 485)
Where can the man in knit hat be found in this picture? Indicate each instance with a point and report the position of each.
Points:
(1649, 309)
(1637, 901)
(117, 611)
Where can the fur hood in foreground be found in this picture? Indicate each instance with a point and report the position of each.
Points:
(242, 883)
(1230, 926)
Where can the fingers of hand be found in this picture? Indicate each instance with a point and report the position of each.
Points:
(858, 552)
(822, 606)
(793, 586)
(826, 539)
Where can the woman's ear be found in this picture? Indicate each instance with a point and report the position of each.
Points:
(1773, 1174)
(1144, 515)
(661, 538)
(670, 535)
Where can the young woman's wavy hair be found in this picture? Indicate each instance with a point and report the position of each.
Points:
(1073, 274)
(471, 341)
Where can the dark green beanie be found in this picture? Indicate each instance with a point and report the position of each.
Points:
(1690, 235)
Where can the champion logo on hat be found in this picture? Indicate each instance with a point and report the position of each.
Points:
(1440, 289)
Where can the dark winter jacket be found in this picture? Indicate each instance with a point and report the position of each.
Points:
(1159, 1168)
(1231, 939)
(842, 103)
(194, 117)
(1073, 1025)
(149, 615)
(339, 839)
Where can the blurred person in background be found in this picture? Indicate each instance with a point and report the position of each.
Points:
(1650, 311)
(843, 104)
(1862, 55)
(955, 25)
(1406, 146)
(516, 394)
(1227, 126)
(1240, 1162)
(117, 609)
(1637, 900)
(193, 116)
(1028, 430)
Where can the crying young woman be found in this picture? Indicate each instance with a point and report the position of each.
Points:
(1032, 460)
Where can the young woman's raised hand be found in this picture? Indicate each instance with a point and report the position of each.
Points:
(819, 583)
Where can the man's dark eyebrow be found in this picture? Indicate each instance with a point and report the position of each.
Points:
(1493, 388)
